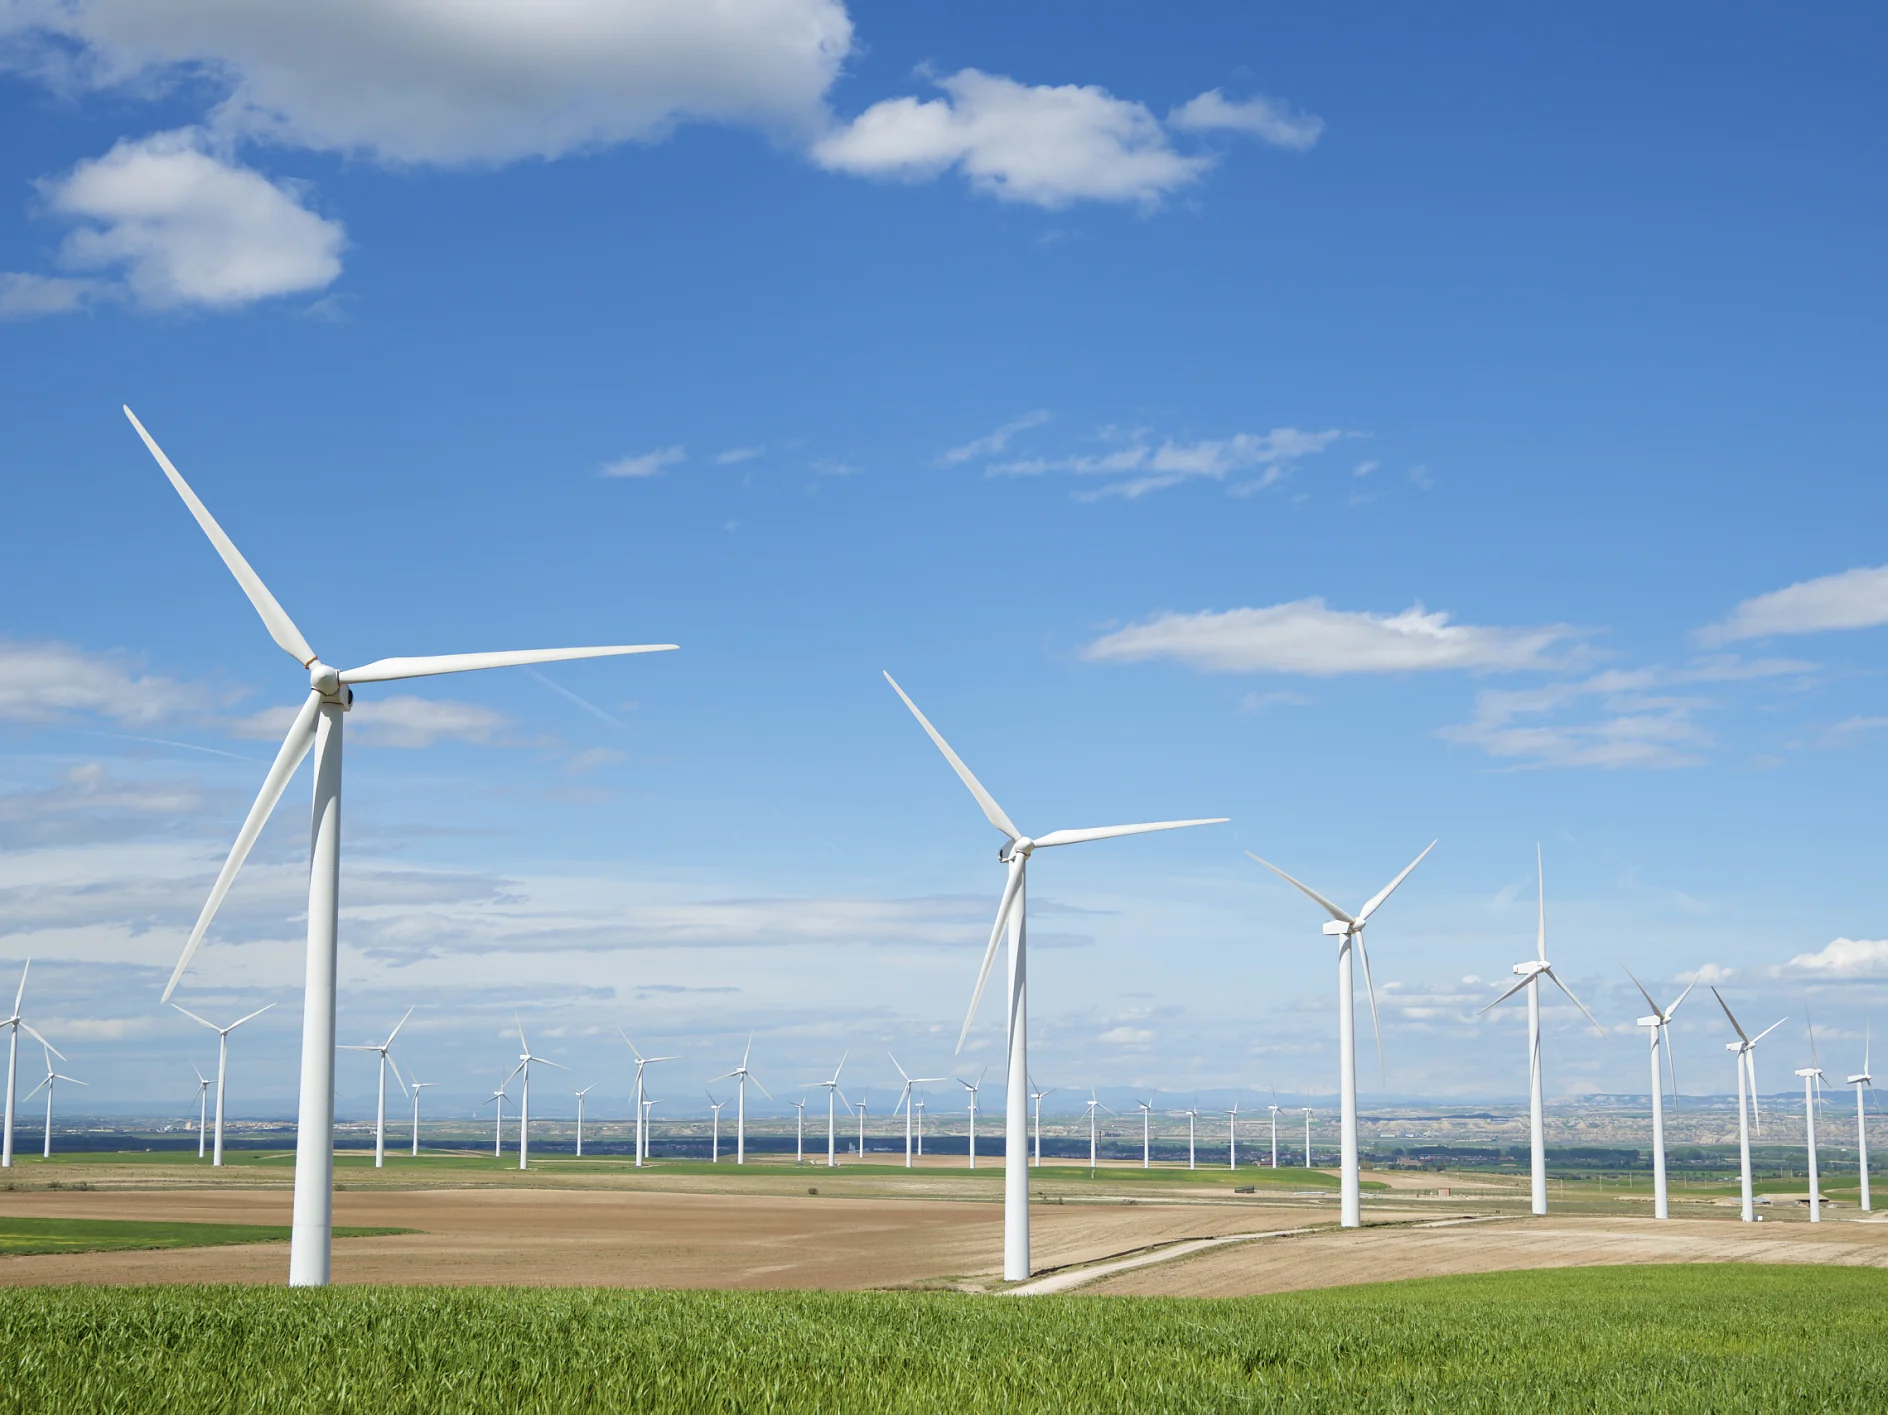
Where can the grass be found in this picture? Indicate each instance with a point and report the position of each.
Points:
(1599, 1339)
(80, 1235)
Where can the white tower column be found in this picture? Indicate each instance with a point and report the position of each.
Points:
(1661, 1207)
(1861, 1144)
(1351, 1206)
(222, 1071)
(312, 1237)
(1537, 1132)
(1747, 1212)
(380, 1119)
(1809, 1122)
(13, 1062)
(1016, 1111)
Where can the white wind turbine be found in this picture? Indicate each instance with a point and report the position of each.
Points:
(1147, 1110)
(832, 1089)
(1273, 1107)
(1812, 1097)
(1093, 1134)
(203, 1109)
(904, 1099)
(976, 1094)
(1035, 1096)
(497, 1098)
(47, 1086)
(380, 1117)
(921, 1106)
(1862, 1081)
(642, 1134)
(714, 1155)
(1349, 930)
(1192, 1116)
(523, 1068)
(222, 1067)
(1531, 973)
(13, 1025)
(580, 1095)
(799, 1130)
(648, 1104)
(1232, 1134)
(318, 725)
(1307, 1111)
(418, 1086)
(1746, 1049)
(741, 1076)
(1011, 918)
(1659, 1025)
(860, 1108)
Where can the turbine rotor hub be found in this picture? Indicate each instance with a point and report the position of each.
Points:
(327, 682)
(1021, 847)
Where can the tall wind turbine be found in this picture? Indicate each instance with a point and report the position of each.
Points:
(832, 1089)
(380, 1117)
(1093, 1134)
(203, 1109)
(799, 1130)
(1036, 1094)
(1812, 1097)
(497, 1098)
(1232, 1135)
(13, 1025)
(741, 1076)
(976, 1094)
(1658, 1025)
(714, 1155)
(418, 1086)
(1746, 1049)
(222, 1068)
(1862, 1081)
(1273, 1107)
(642, 1134)
(1011, 917)
(1147, 1110)
(523, 1068)
(860, 1108)
(904, 1099)
(1307, 1110)
(648, 1104)
(1531, 973)
(318, 726)
(580, 1095)
(1349, 930)
(1192, 1116)
(47, 1086)
(921, 1106)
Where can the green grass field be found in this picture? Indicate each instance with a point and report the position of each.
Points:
(108, 1235)
(1698, 1338)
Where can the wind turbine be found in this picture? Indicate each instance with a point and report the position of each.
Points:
(1093, 1106)
(318, 725)
(1862, 1081)
(1035, 1096)
(648, 1104)
(222, 1069)
(799, 1130)
(976, 1094)
(1147, 1110)
(525, 1058)
(1307, 1111)
(714, 1155)
(642, 1140)
(1531, 973)
(13, 1025)
(832, 1089)
(418, 1086)
(498, 1118)
(1192, 1116)
(921, 1105)
(1657, 1025)
(1273, 1107)
(1232, 1135)
(741, 1076)
(860, 1108)
(1011, 916)
(47, 1086)
(580, 1095)
(1746, 1049)
(386, 1060)
(904, 1099)
(1349, 930)
(203, 1109)
(1812, 1097)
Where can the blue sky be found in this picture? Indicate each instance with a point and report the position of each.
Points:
(1368, 426)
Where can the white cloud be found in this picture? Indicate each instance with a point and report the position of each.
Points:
(996, 441)
(1709, 974)
(408, 81)
(1854, 599)
(23, 295)
(172, 225)
(1126, 1037)
(646, 464)
(1045, 145)
(1263, 118)
(398, 721)
(1846, 958)
(738, 454)
(1253, 703)
(1307, 636)
(48, 682)
(1140, 465)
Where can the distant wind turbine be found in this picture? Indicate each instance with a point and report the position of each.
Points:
(1273, 1107)
(203, 1109)
(222, 1065)
(976, 1094)
(1307, 1110)
(580, 1095)
(832, 1089)
(648, 1104)
(1192, 1114)
(385, 1050)
(1011, 918)
(1093, 1134)
(904, 1099)
(47, 1086)
(523, 1068)
(714, 1155)
(497, 1098)
(1862, 1081)
(799, 1130)
(318, 725)
(1746, 1049)
(1658, 1025)
(1349, 930)
(418, 1086)
(860, 1108)
(1035, 1095)
(1812, 1098)
(1147, 1110)
(642, 1134)
(741, 1076)
(13, 1025)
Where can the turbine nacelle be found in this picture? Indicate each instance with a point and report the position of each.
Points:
(1018, 849)
(1532, 967)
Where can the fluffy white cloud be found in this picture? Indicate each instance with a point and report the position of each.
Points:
(1307, 636)
(46, 682)
(399, 721)
(1854, 599)
(468, 81)
(1047, 145)
(171, 225)
(1262, 118)
(645, 464)
(1846, 958)
(1139, 465)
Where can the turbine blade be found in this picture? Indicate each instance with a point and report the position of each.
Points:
(301, 736)
(1673, 1009)
(763, 1090)
(383, 670)
(1332, 909)
(631, 1045)
(1574, 1000)
(281, 628)
(1109, 832)
(1370, 988)
(1540, 937)
(1727, 1012)
(899, 1069)
(1671, 1063)
(394, 1067)
(43, 1042)
(20, 996)
(251, 1017)
(992, 812)
(1018, 864)
(1768, 1030)
(40, 1087)
(1509, 993)
(1377, 899)
(400, 1024)
(1644, 994)
(194, 1018)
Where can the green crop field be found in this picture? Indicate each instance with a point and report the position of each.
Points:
(1691, 1338)
(107, 1235)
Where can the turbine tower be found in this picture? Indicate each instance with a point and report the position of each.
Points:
(580, 1095)
(714, 1155)
(799, 1130)
(1658, 1026)
(741, 1076)
(1273, 1107)
(1349, 931)
(1862, 1081)
(1011, 918)
(497, 1098)
(47, 1086)
(976, 1094)
(904, 1099)
(1812, 1098)
(525, 1059)
(1531, 973)
(832, 1089)
(642, 1132)
(1147, 1110)
(13, 1025)
(418, 1086)
(318, 725)
(380, 1117)
(1232, 1135)
(203, 1109)
(1035, 1096)
(222, 1066)
(1093, 1106)
(1192, 1116)
(1746, 1048)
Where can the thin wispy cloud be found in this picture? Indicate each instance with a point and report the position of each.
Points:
(738, 454)
(1853, 599)
(993, 442)
(1137, 463)
(645, 464)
